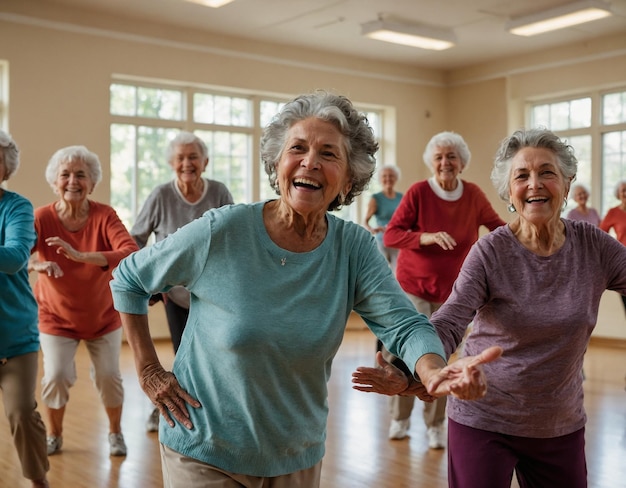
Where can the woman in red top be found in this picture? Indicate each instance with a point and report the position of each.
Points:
(615, 219)
(79, 243)
(434, 227)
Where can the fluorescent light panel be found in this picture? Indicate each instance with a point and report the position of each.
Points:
(211, 3)
(422, 37)
(558, 18)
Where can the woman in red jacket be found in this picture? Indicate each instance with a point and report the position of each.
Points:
(434, 227)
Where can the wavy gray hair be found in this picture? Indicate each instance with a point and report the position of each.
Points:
(359, 138)
(74, 153)
(182, 139)
(447, 139)
(10, 154)
(539, 138)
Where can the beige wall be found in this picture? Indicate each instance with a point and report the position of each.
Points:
(61, 63)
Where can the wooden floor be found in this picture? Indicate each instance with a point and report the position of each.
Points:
(359, 455)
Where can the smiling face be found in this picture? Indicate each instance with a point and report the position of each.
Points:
(313, 168)
(388, 178)
(188, 163)
(73, 183)
(446, 165)
(537, 187)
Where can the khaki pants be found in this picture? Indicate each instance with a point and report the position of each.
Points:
(400, 406)
(18, 379)
(184, 472)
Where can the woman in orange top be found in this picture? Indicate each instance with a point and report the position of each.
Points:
(79, 243)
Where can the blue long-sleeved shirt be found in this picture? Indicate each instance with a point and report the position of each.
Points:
(18, 308)
(264, 326)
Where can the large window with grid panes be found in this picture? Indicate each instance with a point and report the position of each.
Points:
(145, 116)
(594, 124)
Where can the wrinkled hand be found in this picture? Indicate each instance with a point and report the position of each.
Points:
(386, 379)
(464, 378)
(49, 267)
(444, 240)
(63, 248)
(168, 396)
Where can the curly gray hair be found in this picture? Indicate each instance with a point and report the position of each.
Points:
(539, 138)
(360, 142)
(74, 153)
(447, 139)
(182, 139)
(10, 154)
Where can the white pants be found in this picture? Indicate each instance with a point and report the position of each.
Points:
(59, 368)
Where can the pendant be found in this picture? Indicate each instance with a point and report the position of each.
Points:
(283, 261)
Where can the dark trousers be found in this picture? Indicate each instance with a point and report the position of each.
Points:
(176, 321)
(482, 459)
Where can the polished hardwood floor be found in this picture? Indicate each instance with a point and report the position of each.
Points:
(359, 455)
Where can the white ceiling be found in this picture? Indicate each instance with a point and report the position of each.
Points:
(335, 25)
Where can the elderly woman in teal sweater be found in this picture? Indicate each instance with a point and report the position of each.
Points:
(19, 337)
(272, 285)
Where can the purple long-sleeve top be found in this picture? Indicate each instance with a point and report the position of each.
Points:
(541, 310)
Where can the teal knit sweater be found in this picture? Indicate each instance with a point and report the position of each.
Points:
(264, 326)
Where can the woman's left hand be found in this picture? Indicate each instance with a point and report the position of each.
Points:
(63, 248)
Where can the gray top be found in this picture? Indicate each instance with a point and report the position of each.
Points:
(541, 310)
(166, 210)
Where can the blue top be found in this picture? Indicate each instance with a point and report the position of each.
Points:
(264, 327)
(385, 207)
(18, 308)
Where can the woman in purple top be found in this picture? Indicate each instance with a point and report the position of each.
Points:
(580, 194)
(516, 285)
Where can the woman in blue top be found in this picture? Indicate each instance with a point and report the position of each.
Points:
(382, 205)
(19, 336)
(272, 285)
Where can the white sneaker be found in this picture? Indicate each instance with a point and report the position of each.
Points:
(117, 446)
(152, 424)
(436, 437)
(54, 444)
(399, 428)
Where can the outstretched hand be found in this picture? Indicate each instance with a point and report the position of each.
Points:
(388, 380)
(463, 379)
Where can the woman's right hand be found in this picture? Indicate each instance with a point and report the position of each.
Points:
(49, 267)
(168, 396)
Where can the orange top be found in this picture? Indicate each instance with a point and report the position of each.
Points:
(79, 303)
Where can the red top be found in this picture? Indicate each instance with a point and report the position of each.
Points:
(429, 272)
(79, 303)
(615, 218)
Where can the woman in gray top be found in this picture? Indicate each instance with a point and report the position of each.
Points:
(171, 206)
(516, 285)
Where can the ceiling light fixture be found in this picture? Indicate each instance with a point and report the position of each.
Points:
(558, 18)
(211, 3)
(421, 36)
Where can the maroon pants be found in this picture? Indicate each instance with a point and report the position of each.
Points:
(482, 459)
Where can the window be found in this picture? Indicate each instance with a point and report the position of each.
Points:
(146, 116)
(595, 126)
(4, 95)
(613, 145)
